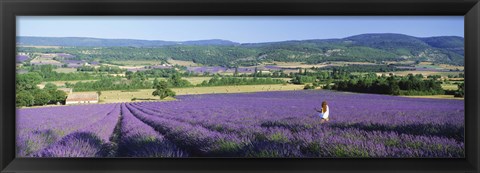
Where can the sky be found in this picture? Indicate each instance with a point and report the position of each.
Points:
(242, 29)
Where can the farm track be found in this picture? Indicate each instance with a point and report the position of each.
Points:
(116, 135)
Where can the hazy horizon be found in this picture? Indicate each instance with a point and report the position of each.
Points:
(230, 40)
(240, 29)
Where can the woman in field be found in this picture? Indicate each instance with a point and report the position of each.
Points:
(324, 111)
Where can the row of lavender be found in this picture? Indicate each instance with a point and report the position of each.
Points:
(270, 124)
(38, 128)
(88, 131)
(283, 124)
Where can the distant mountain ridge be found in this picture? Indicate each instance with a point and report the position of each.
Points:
(371, 47)
(436, 41)
(101, 42)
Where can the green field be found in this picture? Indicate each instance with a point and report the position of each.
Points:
(66, 70)
(137, 62)
(184, 63)
(450, 86)
(197, 80)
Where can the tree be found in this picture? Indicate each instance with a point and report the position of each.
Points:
(129, 75)
(308, 87)
(24, 98)
(300, 79)
(57, 96)
(327, 86)
(41, 97)
(162, 90)
(461, 90)
(28, 81)
(50, 87)
(140, 76)
(236, 71)
(394, 89)
(176, 80)
(434, 77)
(155, 83)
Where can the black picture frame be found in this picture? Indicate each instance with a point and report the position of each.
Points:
(11, 8)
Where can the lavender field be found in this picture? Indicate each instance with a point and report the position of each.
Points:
(263, 124)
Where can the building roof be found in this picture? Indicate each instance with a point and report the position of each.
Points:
(83, 96)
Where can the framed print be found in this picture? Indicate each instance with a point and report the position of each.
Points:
(157, 86)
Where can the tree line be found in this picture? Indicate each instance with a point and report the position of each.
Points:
(225, 81)
(48, 73)
(102, 68)
(393, 85)
(29, 94)
(366, 68)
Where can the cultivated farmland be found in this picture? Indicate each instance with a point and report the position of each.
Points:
(261, 124)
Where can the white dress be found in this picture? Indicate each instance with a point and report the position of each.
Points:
(324, 115)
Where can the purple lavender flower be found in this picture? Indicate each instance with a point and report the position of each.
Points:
(21, 58)
(263, 124)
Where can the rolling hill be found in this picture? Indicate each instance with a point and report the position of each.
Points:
(100, 42)
(359, 48)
